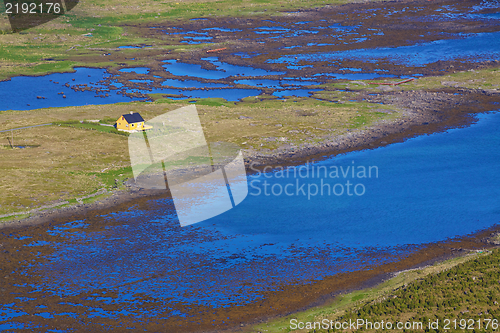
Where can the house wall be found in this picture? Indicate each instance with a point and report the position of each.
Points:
(122, 124)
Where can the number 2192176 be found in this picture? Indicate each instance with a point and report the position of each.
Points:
(470, 324)
(32, 8)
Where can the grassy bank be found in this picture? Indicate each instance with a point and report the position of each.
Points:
(74, 158)
(465, 288)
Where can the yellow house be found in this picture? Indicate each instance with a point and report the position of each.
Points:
(131, 122)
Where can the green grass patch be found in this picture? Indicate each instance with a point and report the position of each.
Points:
(467, 292)
(13, 218)
(214, 102)
(365, 118)
(109, 177)
(90, 126)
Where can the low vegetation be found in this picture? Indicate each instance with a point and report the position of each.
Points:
(465, 289)
(63, 164)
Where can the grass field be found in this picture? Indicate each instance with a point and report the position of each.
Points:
(65, 163)
(464, 289)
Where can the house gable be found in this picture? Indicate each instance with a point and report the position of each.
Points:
(130, 122)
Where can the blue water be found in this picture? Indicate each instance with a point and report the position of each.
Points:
(235, 94)
(130, 47)
(472, 47)
(141, 81)
(192, 84)
(430, 188)
(20, 93)
(196, 39)
(223, 70)
(450, 13)
(222, 29)
(52, 87)
(261, 83)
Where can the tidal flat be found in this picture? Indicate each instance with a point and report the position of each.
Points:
(84, 249)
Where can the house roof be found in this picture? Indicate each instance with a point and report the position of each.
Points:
(133, 118)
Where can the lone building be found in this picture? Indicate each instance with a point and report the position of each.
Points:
(131, 122)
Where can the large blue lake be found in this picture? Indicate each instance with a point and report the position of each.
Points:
(427, 189)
